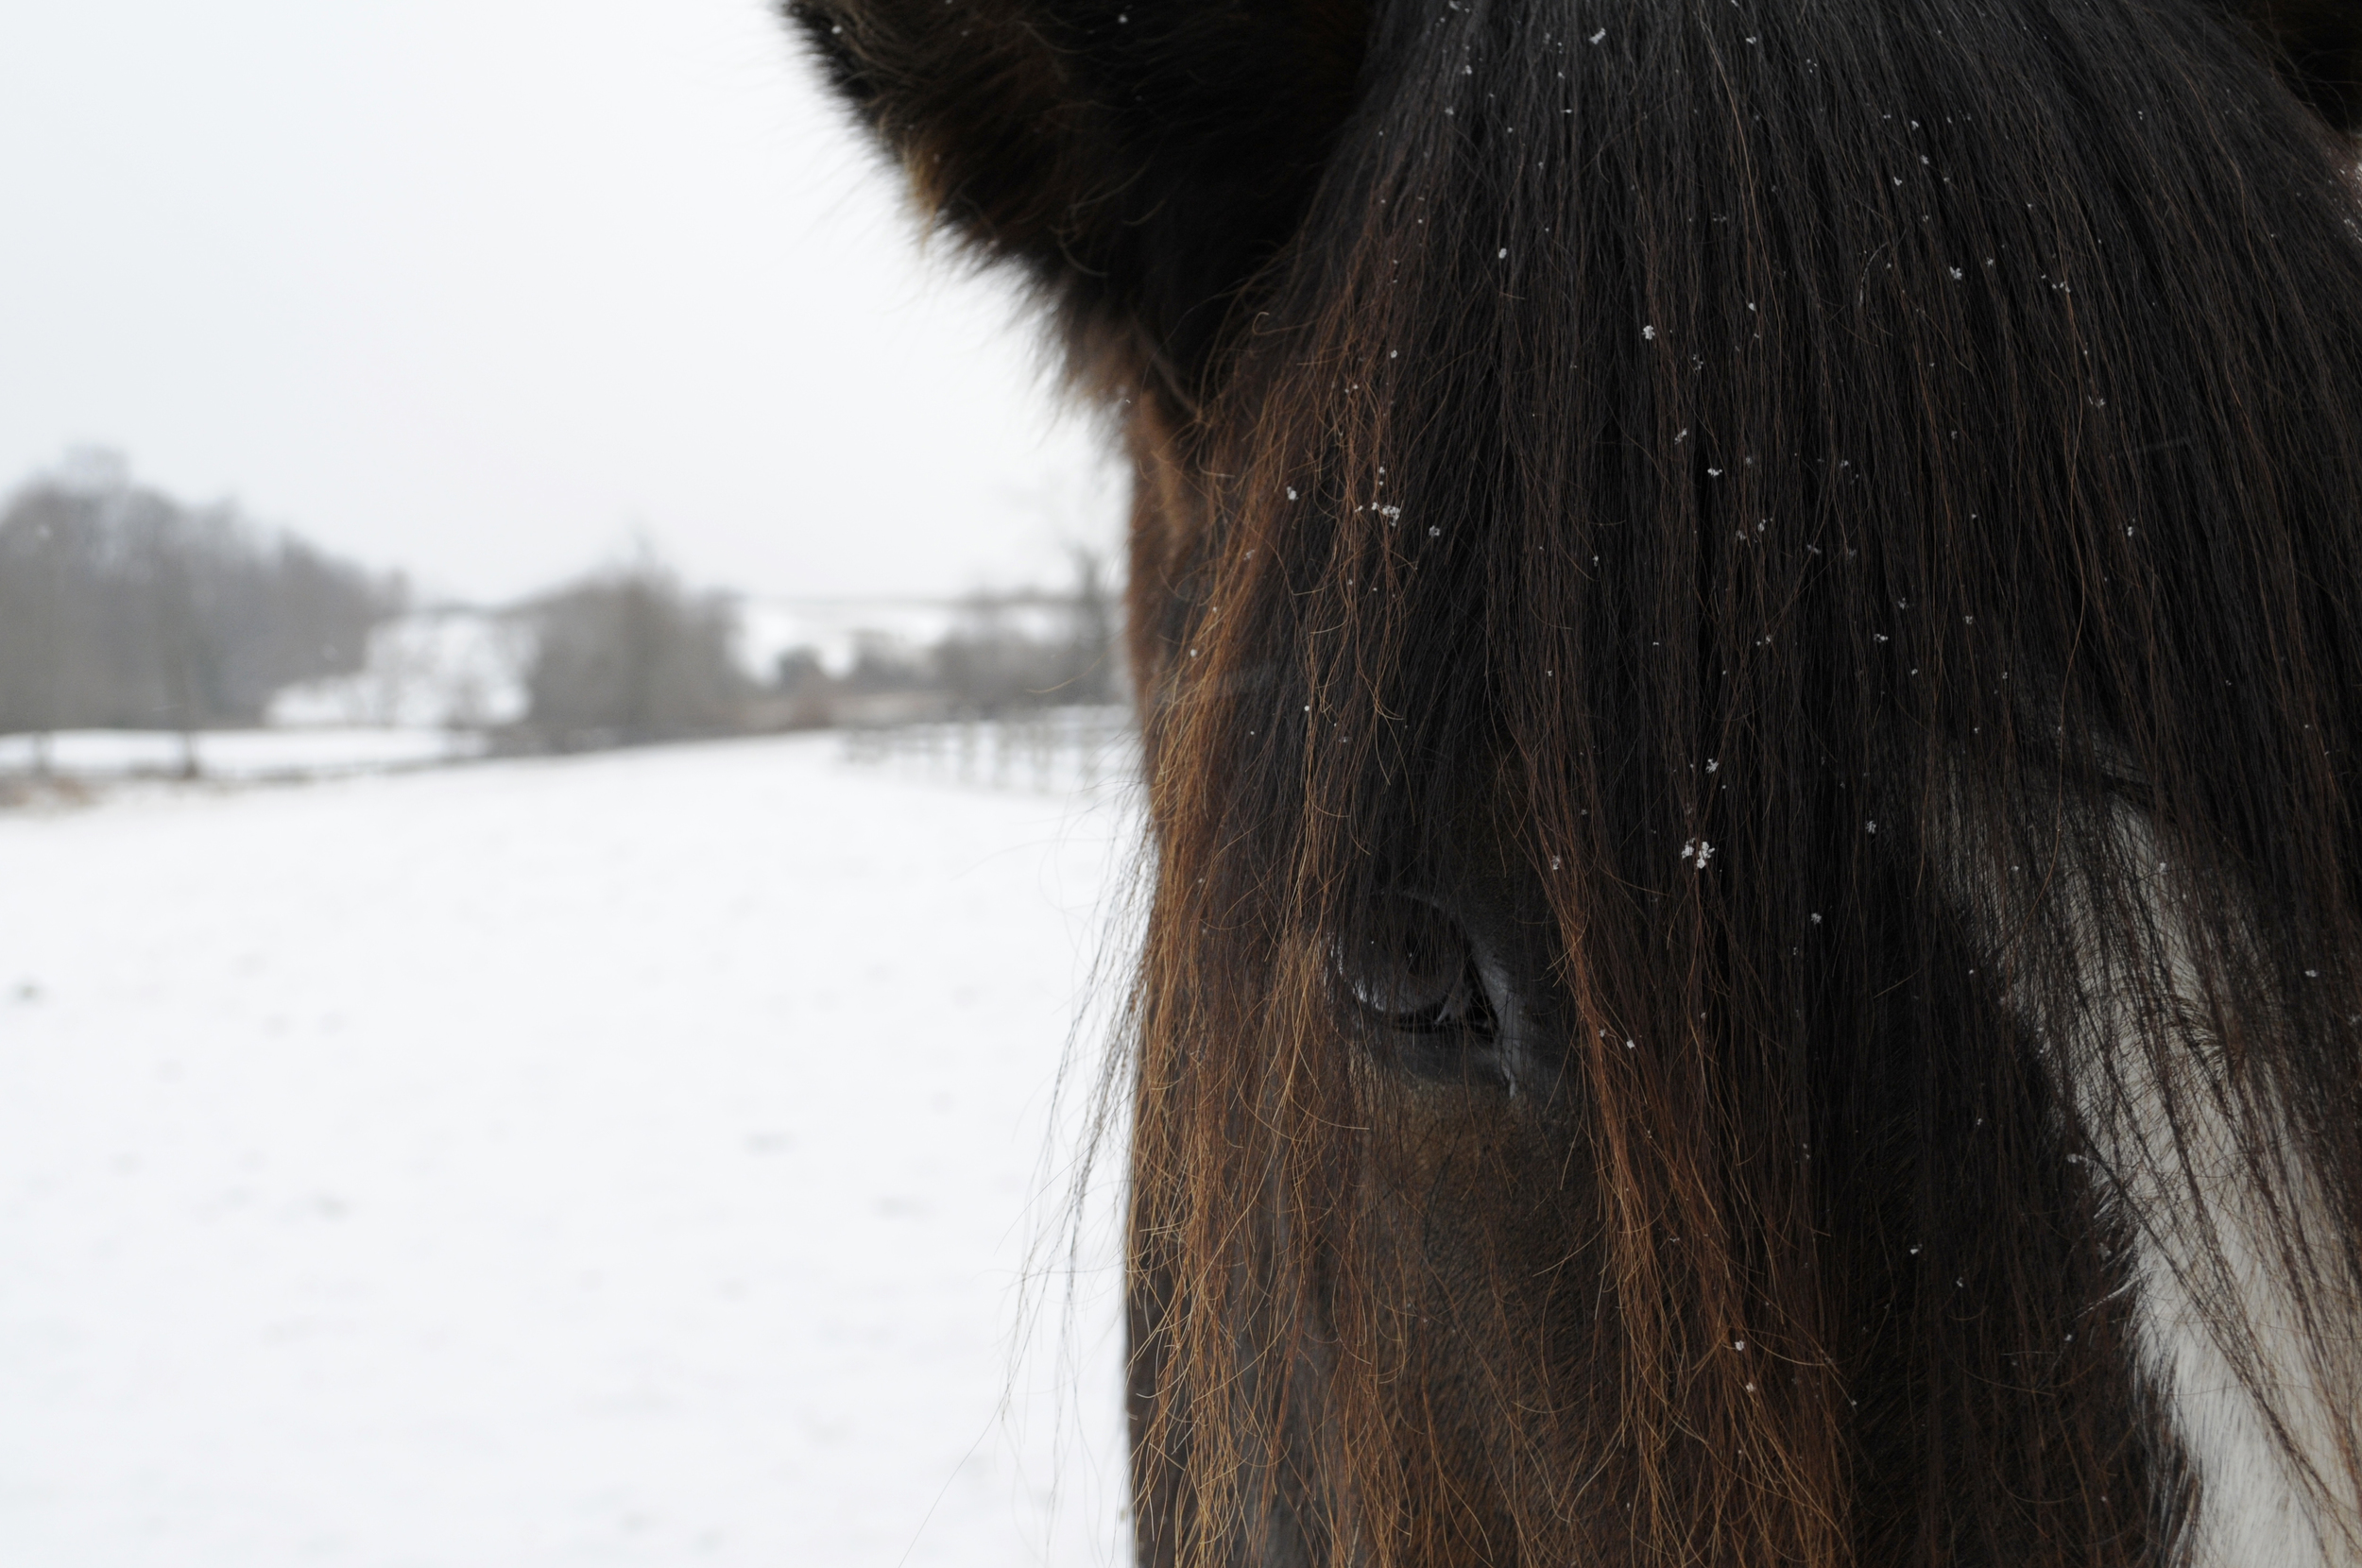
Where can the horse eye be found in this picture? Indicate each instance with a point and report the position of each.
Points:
(1413, 970)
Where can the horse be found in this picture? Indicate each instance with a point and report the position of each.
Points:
(1744, 617)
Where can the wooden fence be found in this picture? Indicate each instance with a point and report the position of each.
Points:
(1053, 750)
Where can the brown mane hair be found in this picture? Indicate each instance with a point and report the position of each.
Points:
(1729, 506)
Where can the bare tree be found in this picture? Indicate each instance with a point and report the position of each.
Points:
(1030, 648)
(121, 607)
(1097, 656)
(630, 655)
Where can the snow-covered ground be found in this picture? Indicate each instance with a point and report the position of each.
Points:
(635, 1159)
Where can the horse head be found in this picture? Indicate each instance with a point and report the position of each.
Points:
(1744, 617)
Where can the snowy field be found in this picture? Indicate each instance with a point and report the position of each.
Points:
(238, 754)
(642, 1159)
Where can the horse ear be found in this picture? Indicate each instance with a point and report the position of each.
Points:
(1140, 159)
(2316, 45)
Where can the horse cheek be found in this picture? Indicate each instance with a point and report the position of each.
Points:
(1483, 1329)
(1171, 524)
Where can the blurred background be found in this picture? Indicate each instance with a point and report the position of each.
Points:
(565, 808)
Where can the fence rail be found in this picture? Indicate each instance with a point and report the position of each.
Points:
(1055, 751)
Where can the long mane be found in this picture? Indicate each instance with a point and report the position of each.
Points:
(1853, 445)
(1832, 531)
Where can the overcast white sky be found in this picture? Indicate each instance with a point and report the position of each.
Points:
(481, 288)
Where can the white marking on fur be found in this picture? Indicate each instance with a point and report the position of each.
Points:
(2217, 1223)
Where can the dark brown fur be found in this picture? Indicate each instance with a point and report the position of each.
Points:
(1759, 423)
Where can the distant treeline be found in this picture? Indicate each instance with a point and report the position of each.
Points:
(123, 608)
(1008, 651)
(632, 654)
